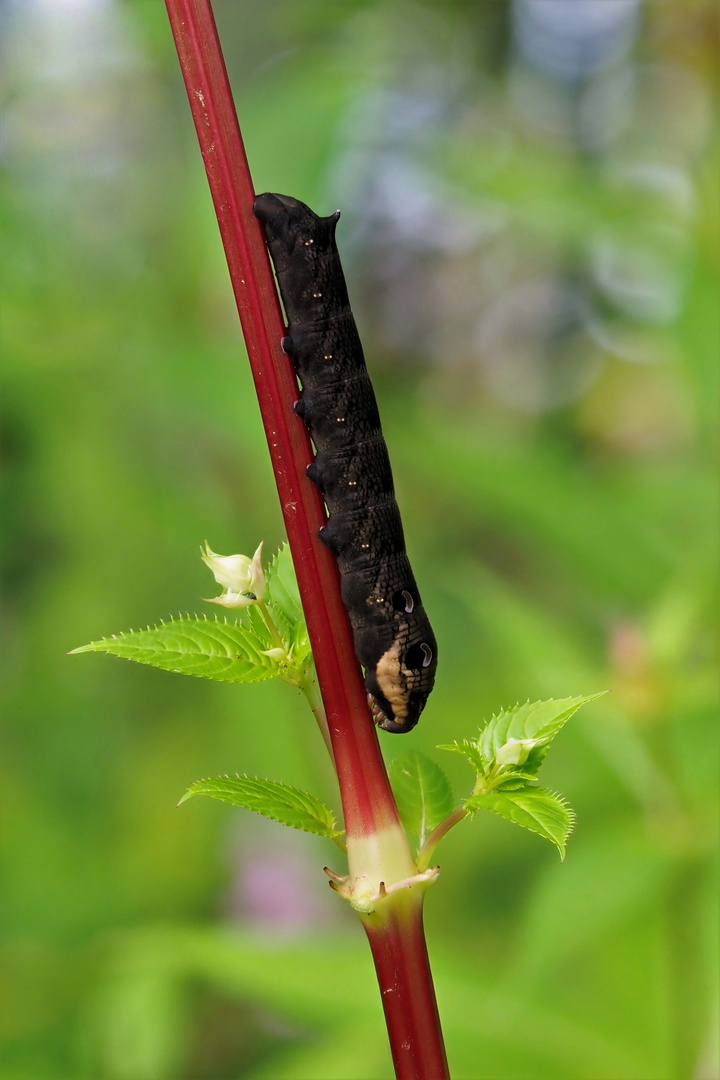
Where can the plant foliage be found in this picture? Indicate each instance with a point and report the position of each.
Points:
(506, 756)
(422, 791)
(251, 648)
(281, 802)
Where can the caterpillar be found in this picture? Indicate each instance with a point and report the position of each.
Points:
(392, 636)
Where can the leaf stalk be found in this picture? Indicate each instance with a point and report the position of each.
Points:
(426, 851)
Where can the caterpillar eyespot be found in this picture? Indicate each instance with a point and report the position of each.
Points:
(418, 656)
(392, 635)
(403, 601)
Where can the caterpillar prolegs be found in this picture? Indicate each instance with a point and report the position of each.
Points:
(392, 636)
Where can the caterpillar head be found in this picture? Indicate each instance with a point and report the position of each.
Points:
(400, 684)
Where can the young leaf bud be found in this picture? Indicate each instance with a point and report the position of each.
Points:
(516, 751)
(280, 655)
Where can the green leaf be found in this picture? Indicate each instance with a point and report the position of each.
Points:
(543, 812)
(422, 791)
(195, 645)
(281, 802)
(514, 780)
(283, 601)
(537, 720)
(469, 749)
(507, 755)
(282, 588)
(256, 627)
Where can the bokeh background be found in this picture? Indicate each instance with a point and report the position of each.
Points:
(530, 231)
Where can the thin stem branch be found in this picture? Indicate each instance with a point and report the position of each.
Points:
(426, 851)
(309, 686)
(270, 623)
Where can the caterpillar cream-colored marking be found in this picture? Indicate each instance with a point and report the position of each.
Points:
(388, 673)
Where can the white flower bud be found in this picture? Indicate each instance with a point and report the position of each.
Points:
(242, 578)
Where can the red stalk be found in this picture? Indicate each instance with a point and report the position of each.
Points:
(368, 805)
(367, 802)
(411, 1012)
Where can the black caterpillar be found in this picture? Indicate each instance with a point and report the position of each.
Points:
(392, 636)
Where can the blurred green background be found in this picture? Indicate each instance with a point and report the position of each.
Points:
(530, 233)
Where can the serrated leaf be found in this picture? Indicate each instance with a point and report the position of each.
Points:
(543, 812)
(210, 648)
(540, 720)
(282, 587)
(469, 749)
(422, 791)
(283, 600)
(281, 802)
(253, 623)
(514, 780)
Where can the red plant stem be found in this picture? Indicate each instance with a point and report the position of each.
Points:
(408, 998)
(367, 800)
(368, 805)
